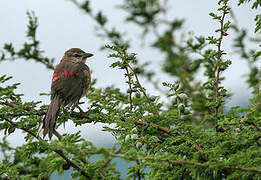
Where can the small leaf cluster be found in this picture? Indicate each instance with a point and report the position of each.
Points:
(30, 49)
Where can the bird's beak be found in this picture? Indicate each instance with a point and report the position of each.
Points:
(86, 55)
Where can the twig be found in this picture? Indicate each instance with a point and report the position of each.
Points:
(255, 125)
(143, 91)
(73, 164)
(13, 106)
(112, 129)
(218, 70)
(130, 88)
(164, 129)
(107, 163)
(138, 171)
(187, 162)
(247, 122)
(109, 160)
(37, 59)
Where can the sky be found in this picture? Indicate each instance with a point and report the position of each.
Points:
(62, 26)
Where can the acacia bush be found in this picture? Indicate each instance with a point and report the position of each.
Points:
(183, 132)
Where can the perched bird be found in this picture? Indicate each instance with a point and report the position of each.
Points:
(71, 80)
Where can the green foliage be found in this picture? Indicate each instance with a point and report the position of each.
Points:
(31, 49)
(181, 133)
(255, 5)
(258, 23)
(142, 12)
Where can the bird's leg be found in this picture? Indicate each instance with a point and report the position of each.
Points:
(76, 105)
(80, 109)
(58, 135)
(64, 108)
(67, 108)
(40, 131)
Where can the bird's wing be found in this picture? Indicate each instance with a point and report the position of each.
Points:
(69, 82)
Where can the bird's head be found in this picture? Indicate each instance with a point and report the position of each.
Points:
(76, 55)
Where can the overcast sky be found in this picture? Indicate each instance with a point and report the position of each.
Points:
(62, 26)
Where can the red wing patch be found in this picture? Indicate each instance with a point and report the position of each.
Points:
(66, 74)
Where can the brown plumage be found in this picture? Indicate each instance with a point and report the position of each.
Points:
(71, 80)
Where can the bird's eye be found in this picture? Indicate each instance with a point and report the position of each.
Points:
(76, 55)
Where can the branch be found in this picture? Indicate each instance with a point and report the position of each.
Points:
(28, 109)
(37, 59)
(186, 162)
(247, 122)
(255, 125)
(85, 115)
(109, 160)
(164, 129)
(143, 91)
(59, 152)
(138, 171)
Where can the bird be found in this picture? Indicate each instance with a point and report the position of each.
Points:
(70, 82)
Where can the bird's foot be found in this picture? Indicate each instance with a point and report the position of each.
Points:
(58, 135)
(80, 109)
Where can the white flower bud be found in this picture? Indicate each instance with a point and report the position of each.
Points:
(176, 86)
(138, 145)
(134, 130)
(175, 100)
(134, 136)
(237, 130)
(181, 107)
(187, 110)
(4, 176)
(183, 96)
(127, 137)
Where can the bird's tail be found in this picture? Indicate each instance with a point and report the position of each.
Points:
(51, 116)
